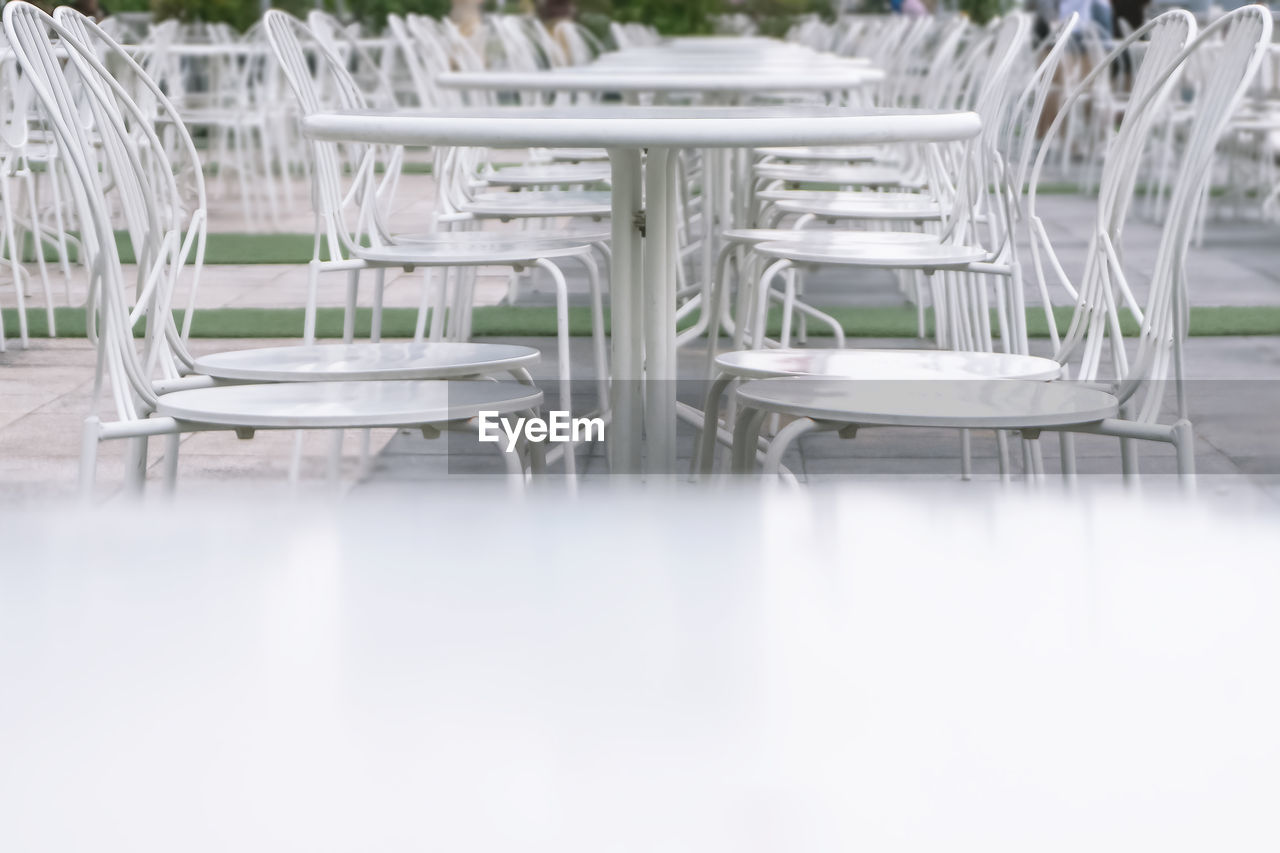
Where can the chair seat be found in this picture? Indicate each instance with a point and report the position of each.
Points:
(881, 249)
(857, 205)
(578, 155)
(978, 404)
(866, 176)
(540, 203)
(322, 362)
(539, 236)
(499, 249)
(548, 174)
(886, 364)
(815, 235)
(826, 154)
(350, 405)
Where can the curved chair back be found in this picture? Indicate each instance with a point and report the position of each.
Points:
(1163, 38)
(1095, 331)
(344, 213)
(1242, 37)
(184, 201)
(123, 153)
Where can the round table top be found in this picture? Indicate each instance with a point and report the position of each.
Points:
(615, 126)
(711, 79)
(804, 671)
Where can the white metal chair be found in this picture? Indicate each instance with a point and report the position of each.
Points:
(348, 218)
(1131, 408)
(126, 149)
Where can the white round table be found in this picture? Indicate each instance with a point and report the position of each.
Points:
(796, 673)
(644, 244)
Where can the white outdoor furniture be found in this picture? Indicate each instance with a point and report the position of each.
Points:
(643, 280)
(346, 214)
(1136, 381)
(840, 669)
(142, 181)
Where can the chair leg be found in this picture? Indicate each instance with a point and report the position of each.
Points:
(37, 244)
(379, 287)
(424, 305)
(135, 466)
(349, 315)
(1129, 460)
(966, 455)
(171, 444)
(90, 435)
(562, 349)
(313, 295)
(1002, 454)
(334, 471)
(705, 456)
(746, 439)
(782, 441)
(788, 307)
(1184, 441)
(15, 256)
(1067, 447)
(598, 342)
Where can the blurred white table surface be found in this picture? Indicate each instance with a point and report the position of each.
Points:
(826, 670)
(644, 242)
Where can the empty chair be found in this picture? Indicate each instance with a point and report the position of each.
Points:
(125, 148)
(1132, 407)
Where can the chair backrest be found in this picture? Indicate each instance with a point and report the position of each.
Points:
(121, 152)
(1095, 331)
(1242, 38)
(185, 204)
(580, 43)
(341, 41)
(343, 213)
(1162, 39)
(1024, 112)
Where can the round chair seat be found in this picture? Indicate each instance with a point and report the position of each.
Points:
(978, 404)
(548, 174)
(885, 176)
(573, 236)
(887, 364)
(887, 249)
(544, 203)
(578, 155)
(351, 405)
(499, 249)
(830, 154)
(910, 207)
(814, 235)
(327, 362)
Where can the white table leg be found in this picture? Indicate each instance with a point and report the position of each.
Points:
(660, 257)
(627, 320)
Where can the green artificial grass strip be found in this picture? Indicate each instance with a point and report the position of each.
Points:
(508, 321)
(221, 249)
